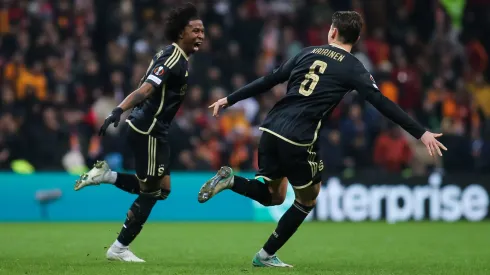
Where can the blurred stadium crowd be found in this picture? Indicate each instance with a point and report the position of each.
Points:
(64, 65)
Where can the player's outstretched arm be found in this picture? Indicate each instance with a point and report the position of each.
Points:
(365, 85)
(392, 111)
(257, 87)
(129, 102)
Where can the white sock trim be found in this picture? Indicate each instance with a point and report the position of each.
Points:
(111, 177)
(119, 245)
(263, 254)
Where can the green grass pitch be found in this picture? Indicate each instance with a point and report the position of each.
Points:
(227, 248)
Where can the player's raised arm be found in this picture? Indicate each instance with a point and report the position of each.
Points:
(364, 83)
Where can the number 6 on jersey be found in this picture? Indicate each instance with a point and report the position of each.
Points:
(311, 75)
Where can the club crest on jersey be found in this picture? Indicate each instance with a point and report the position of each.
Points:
(161, 169)
(158, 71)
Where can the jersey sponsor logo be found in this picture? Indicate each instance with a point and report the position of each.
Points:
(159, 71)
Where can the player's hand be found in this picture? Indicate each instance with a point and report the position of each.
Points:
(114, 117)
(432, 144)
(222, 103)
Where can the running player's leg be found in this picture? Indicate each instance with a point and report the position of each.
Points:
(102, 173)
(268, 193)
(287, 226)
(271, 192)
(151, 169)
(131, 184)
(126, 182)
(306, 187)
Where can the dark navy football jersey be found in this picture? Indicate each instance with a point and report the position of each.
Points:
(168, 73)
(318, 78)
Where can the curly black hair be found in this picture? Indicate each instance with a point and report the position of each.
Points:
(178, 19)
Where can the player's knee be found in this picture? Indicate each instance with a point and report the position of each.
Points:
(307, 196)
(277, 199)
(165, 182)
(151, 187)
(277, 190)
(164, 187)
(164, 194)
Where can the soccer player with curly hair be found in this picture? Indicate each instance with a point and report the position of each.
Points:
(154, 105)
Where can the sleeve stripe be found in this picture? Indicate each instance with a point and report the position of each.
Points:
(171, 56)
(175, 60)
(171, 59)
(154, 79)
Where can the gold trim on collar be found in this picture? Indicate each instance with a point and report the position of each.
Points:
(181, 51)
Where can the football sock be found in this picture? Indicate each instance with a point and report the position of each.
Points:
(136, 218)
(263, 254)
(253, 189)
(288, 224)
(128, 183)
(119, 245)
(109, 177)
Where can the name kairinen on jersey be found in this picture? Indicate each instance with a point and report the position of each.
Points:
(335, 56)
